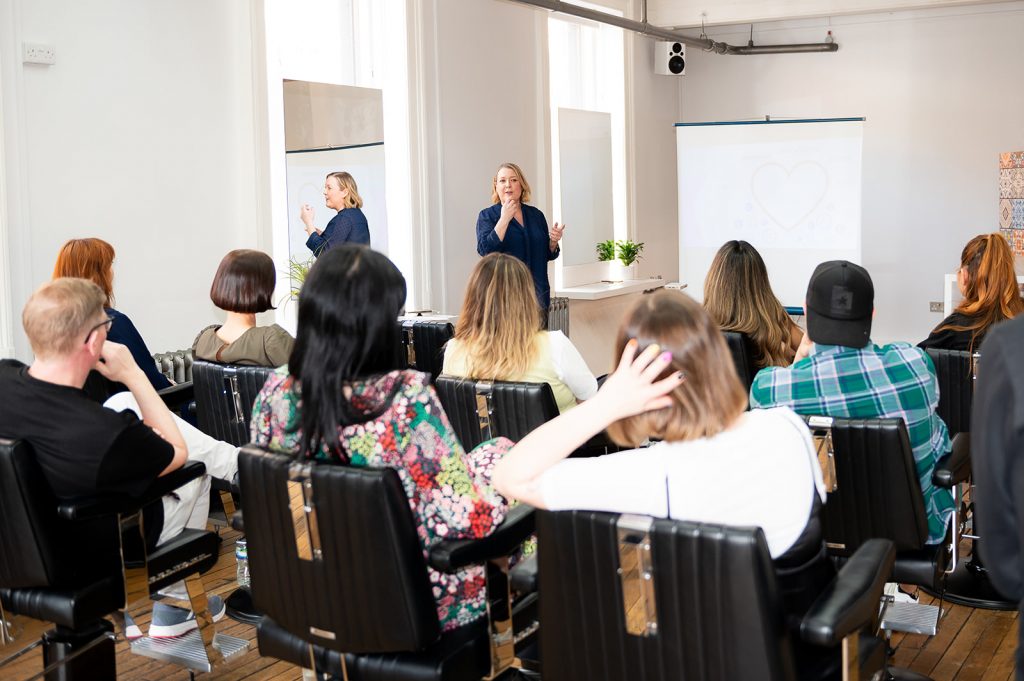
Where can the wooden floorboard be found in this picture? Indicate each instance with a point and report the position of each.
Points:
(972, 645)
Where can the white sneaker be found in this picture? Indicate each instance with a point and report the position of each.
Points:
(170, 621)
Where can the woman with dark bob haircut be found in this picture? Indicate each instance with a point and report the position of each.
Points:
(243, 286)
(345, 398)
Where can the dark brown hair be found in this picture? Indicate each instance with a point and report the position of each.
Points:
(710, 398)
(244, 282)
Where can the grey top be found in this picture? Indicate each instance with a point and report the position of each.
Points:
(264, 346)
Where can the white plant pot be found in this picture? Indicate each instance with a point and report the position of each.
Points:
(618, 272)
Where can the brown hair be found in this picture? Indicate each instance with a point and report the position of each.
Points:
(739, 297)
(525, 198)
(57, 315)
(710, 398)
(346, 181)
(991, 294)
(244, 282)
(91, 259)
(500, 319)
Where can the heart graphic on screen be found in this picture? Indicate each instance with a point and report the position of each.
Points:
(789, 196)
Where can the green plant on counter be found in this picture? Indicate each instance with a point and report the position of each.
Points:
(606, 250)
(629, 252)
(297, 271)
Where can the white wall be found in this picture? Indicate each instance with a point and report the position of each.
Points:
(941, 93)
(141, 134)
(486, 102)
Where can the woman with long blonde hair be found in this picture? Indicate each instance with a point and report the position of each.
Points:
(498, 335)
(738, 296)
(988, 283)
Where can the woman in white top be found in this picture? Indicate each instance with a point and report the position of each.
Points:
(716, 462)
(497, 336)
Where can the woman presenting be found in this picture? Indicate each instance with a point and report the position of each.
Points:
(510, 226)
(348, 226)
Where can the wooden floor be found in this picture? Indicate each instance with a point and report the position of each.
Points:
(971, 645)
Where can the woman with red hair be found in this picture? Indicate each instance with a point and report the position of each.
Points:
(93, 259)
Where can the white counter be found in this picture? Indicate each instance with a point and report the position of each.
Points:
(603, 289)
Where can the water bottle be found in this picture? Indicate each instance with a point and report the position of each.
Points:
(242, 561)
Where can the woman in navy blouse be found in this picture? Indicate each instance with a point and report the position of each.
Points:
(513, 227)
(348, 226)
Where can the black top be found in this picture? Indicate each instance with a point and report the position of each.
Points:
(997, 440)
(83, 448)
(124, 332)
(348, 226)
(948, 339)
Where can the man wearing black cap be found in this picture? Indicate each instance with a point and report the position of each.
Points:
(838, 371)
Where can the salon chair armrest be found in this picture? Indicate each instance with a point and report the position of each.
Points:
(452, 555)
(523, 577)
(177, 395)
(850, 602)
(92, 507)
(238, 522)
(955, 467)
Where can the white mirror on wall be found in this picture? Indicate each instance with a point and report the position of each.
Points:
(585, 183)
(330, 128)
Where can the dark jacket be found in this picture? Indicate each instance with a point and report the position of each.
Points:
(530, 243)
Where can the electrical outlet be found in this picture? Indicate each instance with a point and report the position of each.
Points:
(935, 306)
(38, 53)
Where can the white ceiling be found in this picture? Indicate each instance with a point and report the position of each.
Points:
(688, 13)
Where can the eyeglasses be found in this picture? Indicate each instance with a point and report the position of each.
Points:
(106, 322)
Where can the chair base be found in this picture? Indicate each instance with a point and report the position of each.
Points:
(970, 586)
(81, 655)
(188, 651)
(900, 674)
(241, 608)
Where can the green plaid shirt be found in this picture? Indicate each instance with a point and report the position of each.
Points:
(870, 382)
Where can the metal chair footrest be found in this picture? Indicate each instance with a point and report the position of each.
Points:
(912, 618)
(188, 651)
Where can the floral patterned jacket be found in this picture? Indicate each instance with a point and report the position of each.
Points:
(449, 491)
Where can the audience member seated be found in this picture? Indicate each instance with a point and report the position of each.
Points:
(738, 295)
(988, 284)
(497, 336)
(343, 398)
(997, 465)
(244, 286)
(839, 372)
(716, 462)
(88, 449)
(93, 259)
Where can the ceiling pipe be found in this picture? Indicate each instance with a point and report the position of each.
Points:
(645, 28)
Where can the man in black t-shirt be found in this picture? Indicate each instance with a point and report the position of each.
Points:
(84, 448)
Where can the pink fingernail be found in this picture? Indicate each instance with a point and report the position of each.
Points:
(666, 356)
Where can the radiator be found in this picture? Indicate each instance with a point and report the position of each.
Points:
(176, 365)
(558, 315)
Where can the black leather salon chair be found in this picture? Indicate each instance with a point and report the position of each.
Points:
(955, 372)
(423, 344)
(224, 395)
(742, 357)
(877, 494)
(73, 563)
(339, 571)
(632, 597)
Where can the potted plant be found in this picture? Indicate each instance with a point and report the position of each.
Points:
(629, 252)
(297, 271)
(606, 250)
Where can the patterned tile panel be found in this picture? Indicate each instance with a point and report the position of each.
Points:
(1011, 199)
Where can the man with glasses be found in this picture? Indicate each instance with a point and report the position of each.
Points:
(85, 448)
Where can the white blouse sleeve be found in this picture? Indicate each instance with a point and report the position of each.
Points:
(571, 368)
(624, 482)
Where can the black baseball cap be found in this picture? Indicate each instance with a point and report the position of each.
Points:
(840, 304)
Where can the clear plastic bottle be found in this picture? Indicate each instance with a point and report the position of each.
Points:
(242, 560)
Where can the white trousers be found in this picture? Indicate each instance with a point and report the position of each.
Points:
(188, 506)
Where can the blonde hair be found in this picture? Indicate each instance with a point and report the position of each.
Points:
(525, 198)
(991, 294)
(710, 398)
(346, 181)
(57, 315)
(738, 296)
(500, 319)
